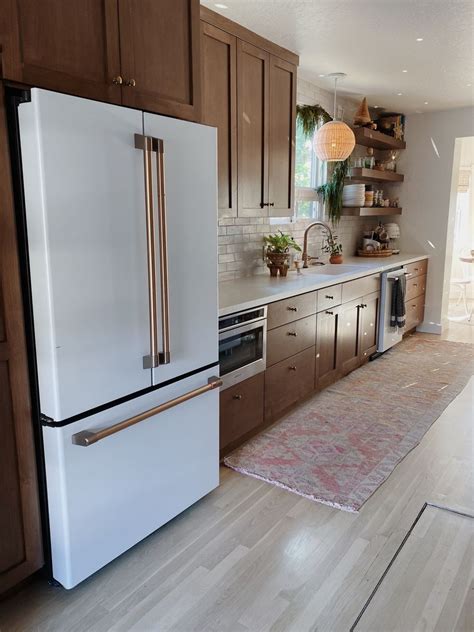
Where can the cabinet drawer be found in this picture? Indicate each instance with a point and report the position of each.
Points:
(291, 309)
(289, 339)
(416, 286)
(241, 410)
(288, 381)
(329, 297)
(360, 287)
(415, 310)
(417, 268)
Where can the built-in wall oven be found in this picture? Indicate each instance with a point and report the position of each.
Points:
(242, 345)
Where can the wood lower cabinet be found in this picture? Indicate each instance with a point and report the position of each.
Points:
(416, 286)
(290, 309)
(288, 382)
(415, 310)
(369, 325)
(21, 550)
(219, 108)
(327, 368)
(290, 339)
(348, 338)
(159, 54)
(66, 46)
(241, 411)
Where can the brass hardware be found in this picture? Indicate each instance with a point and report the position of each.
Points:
(292, 309)
(117, 80)
(292, 368)
(237, 397)
(130, 83)
(330, 313)
(86, 438)
(306, 257)
(165, 357)
(329, 297)
(292, 333)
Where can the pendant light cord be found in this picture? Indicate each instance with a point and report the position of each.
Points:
(335, 93)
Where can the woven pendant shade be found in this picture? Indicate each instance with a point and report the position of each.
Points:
(334, 141)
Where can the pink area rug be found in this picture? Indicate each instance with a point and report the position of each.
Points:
(343, 443)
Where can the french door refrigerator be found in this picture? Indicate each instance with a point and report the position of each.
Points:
(120, 215)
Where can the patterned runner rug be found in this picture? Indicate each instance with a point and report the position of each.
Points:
(342, 444)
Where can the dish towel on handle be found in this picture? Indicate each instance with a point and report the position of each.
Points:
(397, 311)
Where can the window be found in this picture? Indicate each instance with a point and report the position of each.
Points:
(310, 173)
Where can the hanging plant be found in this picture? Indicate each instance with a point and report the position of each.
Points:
(331, 192)
(309, 117)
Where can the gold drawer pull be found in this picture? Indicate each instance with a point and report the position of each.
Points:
(292, 333)
(292, 309)
(237, 397)
(292, 368)
(130, 83)
(117, 80)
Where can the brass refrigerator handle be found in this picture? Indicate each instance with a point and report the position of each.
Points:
(86, 438)
(165, 356)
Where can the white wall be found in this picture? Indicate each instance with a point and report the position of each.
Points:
(427, 196)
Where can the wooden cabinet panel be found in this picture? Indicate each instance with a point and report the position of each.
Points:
(290, 309)
(219, 108)
(288, 381)
(416, 286)
(360, 287)
(70, 47)
(329, 297)
(253, 84)
(417, 268)
(20, 532)
(159, 51)
(290, 339)
(281, 137)
(327, 370)
(369, 325)
(415, 310)
(348, 347)
(241, 411)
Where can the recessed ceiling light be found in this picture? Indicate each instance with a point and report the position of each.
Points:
(221, 6)
(419, 39)
(404, 70)
(399, 94)
(426, 102)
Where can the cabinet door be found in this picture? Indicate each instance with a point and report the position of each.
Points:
(327, 370)
(368, 325)
(253, 84)
(219, 109)
(241, 411)
(69, 47)
(281, 145)
(159, 52)
(348, 339)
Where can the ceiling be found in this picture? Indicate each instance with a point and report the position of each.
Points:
(374, 41)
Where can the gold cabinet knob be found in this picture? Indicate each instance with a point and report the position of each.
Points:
(117, 80)
(131, 83)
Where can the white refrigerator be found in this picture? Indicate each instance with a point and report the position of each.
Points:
(121, 219)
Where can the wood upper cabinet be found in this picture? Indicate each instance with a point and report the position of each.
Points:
(219, 108)
(281, 148)
(253, 85)
(66, 46)
(159, 52)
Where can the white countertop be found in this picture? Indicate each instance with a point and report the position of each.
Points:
(261, 289)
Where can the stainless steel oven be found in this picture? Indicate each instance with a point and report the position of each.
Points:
(242, 345)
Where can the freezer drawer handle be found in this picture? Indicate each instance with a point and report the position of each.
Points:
(151, 145)
(86, 438)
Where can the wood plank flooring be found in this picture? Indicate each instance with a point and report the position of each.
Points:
(253, 557)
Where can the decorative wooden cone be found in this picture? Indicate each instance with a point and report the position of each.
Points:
(362, 116)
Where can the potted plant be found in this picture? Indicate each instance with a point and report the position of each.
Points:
(277, 252)
(334, 249)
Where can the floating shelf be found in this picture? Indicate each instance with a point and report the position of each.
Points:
(371, 211)
(361, 174)
(378, 140)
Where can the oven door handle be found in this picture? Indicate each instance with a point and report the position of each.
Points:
(242, 329)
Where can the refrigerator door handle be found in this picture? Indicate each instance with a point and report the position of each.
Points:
(145, 143)
(86, 438)
(165, 356)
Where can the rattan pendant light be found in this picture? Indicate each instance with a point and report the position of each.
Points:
(335, 140)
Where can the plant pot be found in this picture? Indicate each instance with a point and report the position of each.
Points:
(277, 262)
(335, 259)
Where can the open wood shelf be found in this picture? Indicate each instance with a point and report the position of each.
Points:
(371, 211)
(372, 138)
(360, 174)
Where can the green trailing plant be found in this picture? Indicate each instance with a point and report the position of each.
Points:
(332, 246)
(331, 192)
(280, 243)
(310, 117)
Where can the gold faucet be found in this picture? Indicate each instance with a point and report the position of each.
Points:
(306, 257)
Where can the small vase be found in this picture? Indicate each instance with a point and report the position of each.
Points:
(335, 259)
(277, 262)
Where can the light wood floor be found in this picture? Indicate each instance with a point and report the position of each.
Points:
(253, 557)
